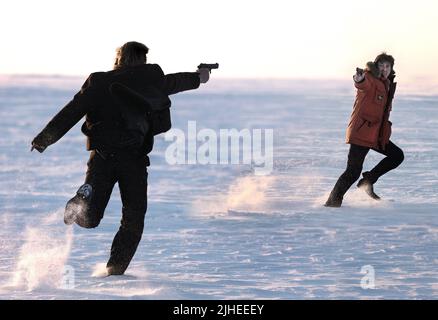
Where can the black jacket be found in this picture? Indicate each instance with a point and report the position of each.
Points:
(103, 112)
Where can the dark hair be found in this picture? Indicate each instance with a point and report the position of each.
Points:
(130, 54)
(384, 57)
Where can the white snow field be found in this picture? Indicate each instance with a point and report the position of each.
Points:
(219, 231)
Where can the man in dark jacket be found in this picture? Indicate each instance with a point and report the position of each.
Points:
(369, 128)
(124, 109)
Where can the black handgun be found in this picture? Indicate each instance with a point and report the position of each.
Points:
(209, 66)
(359, 71)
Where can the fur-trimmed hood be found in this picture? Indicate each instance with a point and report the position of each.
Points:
(371, 67)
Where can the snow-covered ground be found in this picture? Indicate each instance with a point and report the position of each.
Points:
(219, 231)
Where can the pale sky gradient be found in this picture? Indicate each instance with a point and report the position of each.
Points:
(275, 39)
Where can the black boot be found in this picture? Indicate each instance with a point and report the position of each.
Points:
(333, 202)
(77, 205)
(367, 185)
(113, 270)
(338, 192)
(335, 198)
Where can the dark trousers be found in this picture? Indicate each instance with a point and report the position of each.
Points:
(356, 156)
(130, 171)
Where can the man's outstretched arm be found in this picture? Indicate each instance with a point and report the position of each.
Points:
(183, 81)
(65, 119)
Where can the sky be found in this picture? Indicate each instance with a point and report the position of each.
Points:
(249, 39)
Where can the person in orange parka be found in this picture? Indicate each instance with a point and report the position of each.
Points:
(369, 128)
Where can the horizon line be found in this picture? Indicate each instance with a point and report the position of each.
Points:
(322, 83)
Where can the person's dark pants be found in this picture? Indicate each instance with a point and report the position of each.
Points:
(130, 171)
(356, 156)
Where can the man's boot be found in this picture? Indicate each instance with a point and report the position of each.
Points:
(78, 205)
